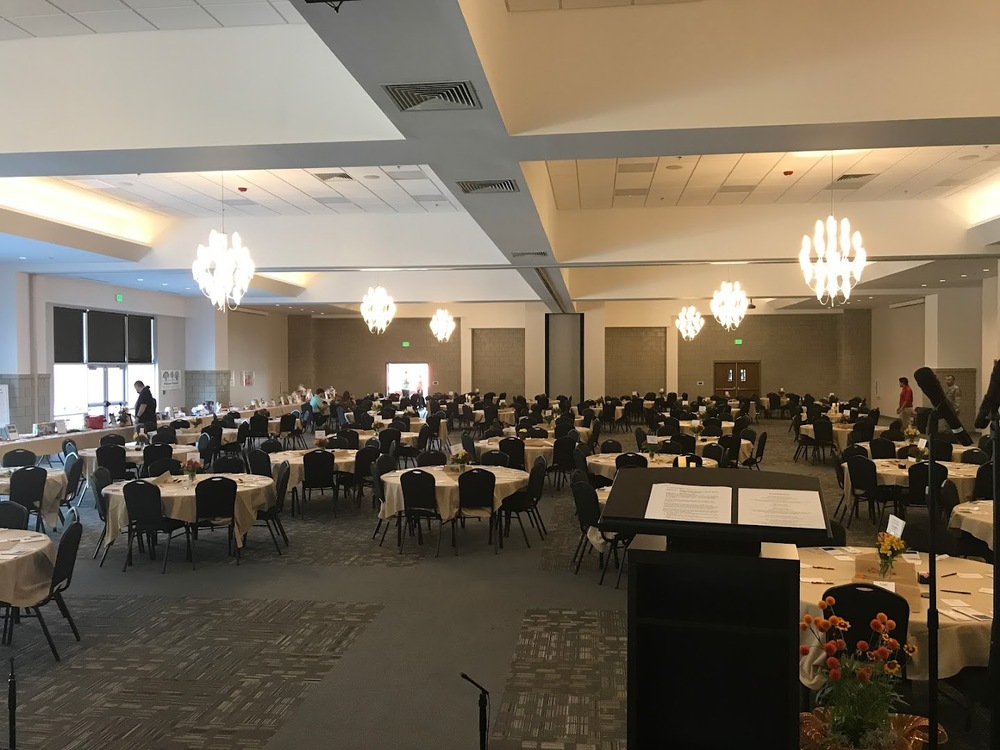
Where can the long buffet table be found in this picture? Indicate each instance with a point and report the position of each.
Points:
(51, 444)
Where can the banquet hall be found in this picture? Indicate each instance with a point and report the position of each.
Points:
(528, 243)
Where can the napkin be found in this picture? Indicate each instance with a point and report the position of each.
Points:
(164, 478)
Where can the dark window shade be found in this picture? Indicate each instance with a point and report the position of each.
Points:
(140, 339)
(105, 337)
(67, 335)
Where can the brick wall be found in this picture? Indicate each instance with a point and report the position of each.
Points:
(635, 359)
(800, 353)
(498, 360)
(23, 399)
(207, 385)
(343, 353)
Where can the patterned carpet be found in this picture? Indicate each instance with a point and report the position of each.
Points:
(175, 673)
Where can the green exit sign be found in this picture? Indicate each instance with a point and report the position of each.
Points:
(119, 298)
(738, 341)
(406, 344)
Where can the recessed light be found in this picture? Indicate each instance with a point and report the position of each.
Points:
(923, 285)
(942, 280)
(163, 284)
(871, 298)
(674, 166)
(986, 270)
(187, 289)
(968, 157)
(138, 279)
(371, 177)
(964, 275)
(21, 257)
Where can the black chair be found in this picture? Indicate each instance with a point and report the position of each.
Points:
(180, 424)
(419, 504)
(352, 438)
(611, 446)
(62, 577)
(984, 482)
(364, 460)
(113, 439)
(272, 516)
(750, 435)
(271, 446)
(431, 458)
(631, 461)
(855, 450)
(823, 439)
(514, 448)
(920, 476)
(859, 602)
(165, 466)
(383, 465)
(525, 501)
(289, 433)
(318, 473)
(865, 488)
(732, 445)
(881, 448)
(19, 457)
(13, 516)
(259, 463)
(215, 505)
(165, 435)
(228, 465)
(146, 519)
(154, 452)
(27, 488)
(690, 459)
(494, 458)
(975, 456)
(562, 461)
(715, 452)
(754, 461)
(112, 458)
(588, 512)
(97, 481)
(68, 447)
(75, 487)
(476, 488)
(258, 429)
(388, 436)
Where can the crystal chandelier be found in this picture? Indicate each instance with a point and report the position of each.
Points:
(223, 272)
(689, 322)
(442, 325)
(377, 309)
(729, 305)
(839, 260)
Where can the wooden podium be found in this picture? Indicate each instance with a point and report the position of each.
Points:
(713, 635)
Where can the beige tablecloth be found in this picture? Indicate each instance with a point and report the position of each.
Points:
(746, 447)
(190, 436)
(962, 475)
(975, 518)
(134, 455)
(343, 460)
(26, 560)
(51, 444)
(509, 481)
(961, 643)
(507, 416)
(584, 431)
(687, 427)
(840, 433)
(603, 464)
(253, 493)
(533, 448)
(55, 491)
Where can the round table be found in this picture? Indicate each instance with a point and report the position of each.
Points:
(343, 460)
(962, 642)
(509, 481)
(26, 560)
(55, 491)
(746, 447)
(840, 433)
(133, 454)
(603, 464)
(974, 518)
(687, 426)
(584, 432)
(190, 436)
(963, 476)
(253, 493)
(533, 448)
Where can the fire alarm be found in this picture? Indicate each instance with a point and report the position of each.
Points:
(787, 173)
(243, 189)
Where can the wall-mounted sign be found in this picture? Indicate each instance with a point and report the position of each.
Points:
(171, 380)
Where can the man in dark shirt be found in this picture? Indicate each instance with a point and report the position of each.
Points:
(145, 405)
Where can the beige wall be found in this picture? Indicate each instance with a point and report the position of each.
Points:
(341, 352)
(634, 359)
(897, 350)
(801, 353)
(498, 360)
(258, 344)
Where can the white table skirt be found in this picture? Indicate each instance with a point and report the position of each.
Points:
(26, 560)
(134, 455)
(603, 464)
(52, 496)
(533, 448)
(974, 518)
(508, 482)
(343, 460)
(963, 476)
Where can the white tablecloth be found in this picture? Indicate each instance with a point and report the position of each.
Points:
(687, 427)
(51, 444)
(584, 431)
(840, 433)
(26, 560)
(190, 436)
(55, 491)
(253, 493)
(974, 518)
(746, 447)
(533, 448)
(603, 464)
(962, 475)
(509, 481)
(134, 455)
(961, 643)
(343, 460)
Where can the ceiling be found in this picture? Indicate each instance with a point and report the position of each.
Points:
(762, 178)
(404, 188)
(583, 115)
(23, 19)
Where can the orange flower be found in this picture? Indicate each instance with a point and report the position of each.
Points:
(822, 605)
(892, 644)
(881, 653)
(862, 645)
(823, 625)
(803, 627)
(890, 625)
(803, 650)
(910, 649)
(807, 619)
(881, 617)
(834, 674)
(892, 667)
(841, 644)
(830, 647)
(876, 626)
(832, 663)
(830, 600)
(864, 674)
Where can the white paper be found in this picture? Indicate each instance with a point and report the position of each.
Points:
(955, 602)
(895, 526)
(653, 439)
(845, 558)
(985, 590)
(954, 615)
(814, 580)
(320, 435)
(887, 585)
(694, 503)
(922, 443)
(969, 575)
(975, 614)
(799, 509)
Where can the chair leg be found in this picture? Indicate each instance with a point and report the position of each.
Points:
(97, 549)
(128, 553)
(45, 630)
(273, 537)
(621, 567)
(61, 603)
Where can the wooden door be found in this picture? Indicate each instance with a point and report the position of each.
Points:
(725, 378)
(748, 379)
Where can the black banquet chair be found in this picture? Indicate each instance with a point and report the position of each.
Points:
(419, 503)
(19, 457)
(146, 519)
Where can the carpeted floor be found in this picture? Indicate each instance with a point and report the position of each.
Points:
(340, 642)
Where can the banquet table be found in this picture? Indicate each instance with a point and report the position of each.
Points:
(533, 448)
(963, 476)
(343, 460)
(603, 464)
(26, 560)
(507, 416)
(54, 492)
(746, 447)
(190, 436)
(687, 426)
(962, 642)
(508, 482)
(583, 431)
(840, 433)
(273, 425)
(974, 518)
(253, 493)
(52, 444)
(133, 454)
(416, 424)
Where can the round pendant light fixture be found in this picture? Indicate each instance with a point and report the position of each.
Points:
(442, 325)
(689, 322)
(729, 304)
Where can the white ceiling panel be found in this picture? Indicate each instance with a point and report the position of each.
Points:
(10, 31)
(113, 21)
(185, 17)
(245, 14)
(61, 25)
(76, 6)
(20, 8)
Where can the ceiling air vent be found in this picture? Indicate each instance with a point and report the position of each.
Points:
(737, 188)
(851, 181)
(327, 176)
(631, 192)
(426, 97)
(537, 254)
(488, 186)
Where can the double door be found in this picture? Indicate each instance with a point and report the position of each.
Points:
(738, 379)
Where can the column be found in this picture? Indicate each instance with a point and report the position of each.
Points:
(28, 396)
(206, 345)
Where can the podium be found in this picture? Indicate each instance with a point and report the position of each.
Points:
(712, 619)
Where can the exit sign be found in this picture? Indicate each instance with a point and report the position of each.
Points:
(738, 342)
(119, 298)
(406, 344)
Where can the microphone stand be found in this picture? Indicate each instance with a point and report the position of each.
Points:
(484, 702)
(993, 676)
(933, 623)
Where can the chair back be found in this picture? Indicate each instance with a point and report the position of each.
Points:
(476, 488)
(388, 436)
(112, 457)
(514, 448)
(732, 445)
(69, 446)
(920, 475)
(611, 446)
(748, 434)
(143, 502)
(156, 451)
(272, 446)
(364, 459)
(640, 438)
(562, 453)
(418, 490)
(98, 480)
(975, 456)
(228, 465)
(468, 443)
(19, 457)
(823, 431)
(113, 439)
(859, 603)
(984, 482)
(687, 442)
(715, 452)
(882, 448)
(857, 450)
(258, 426)
(631, 461)
(27, 486)
(761, 443)
(69, 545)
(165, 435)
(260, 463)
(215, 497)
(494, 458)
(352, 438)
(863, 473)
(164, 466)
(588, 507)
(13, 516)
(942, 449)
(317, 469)
(690, 459)
(431, 458)
(281, 475)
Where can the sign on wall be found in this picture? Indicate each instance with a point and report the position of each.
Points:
(171, 380)
(248, 378)
(4, 404)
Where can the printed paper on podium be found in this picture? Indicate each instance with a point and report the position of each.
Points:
(693, 503)
(800, 509)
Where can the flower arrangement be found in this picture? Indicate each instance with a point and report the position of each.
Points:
(697, 427)
(321, 442)
(196, 422)
(522, 433)
(460, 458)
(911, 433)
(123, 416)
(890, 547)
(859, 687)
(192, 467)
(141, 438)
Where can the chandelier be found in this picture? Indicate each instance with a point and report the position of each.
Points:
(729, 304)
(442, 325)
(839, 260)
(689, 322)
(223, 271)
(377, 309)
